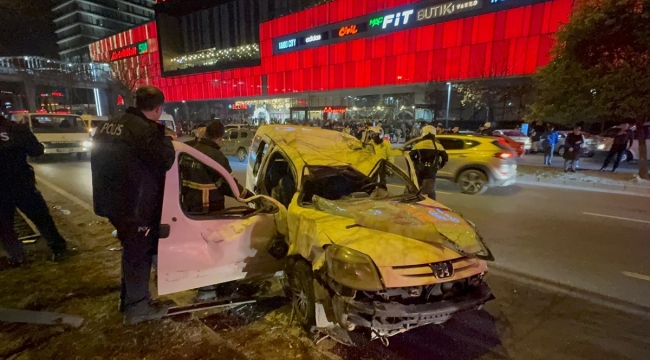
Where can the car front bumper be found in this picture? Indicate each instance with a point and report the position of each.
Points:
(391, 318)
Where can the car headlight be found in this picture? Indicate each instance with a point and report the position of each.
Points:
(87, 144)
(352, 268)
(601, 146)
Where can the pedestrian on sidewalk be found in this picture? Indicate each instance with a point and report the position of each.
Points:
(130, 157)
(551, 138)
(18, 191)
(572, 143)
(622, 142)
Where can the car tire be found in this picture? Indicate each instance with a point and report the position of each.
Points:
(473, 182)
(81, 156)
(560, 151)
(241, 154)
(301, 282)
(627, 156)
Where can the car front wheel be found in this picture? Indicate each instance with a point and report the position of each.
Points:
(473, 182)
(241, 154)
(301, 281)
(627, 156)
(560, 151)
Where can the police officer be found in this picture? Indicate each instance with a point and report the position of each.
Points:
(18, 190)
(383, 148)
(203, 189)
(428, 156)
(129, 159)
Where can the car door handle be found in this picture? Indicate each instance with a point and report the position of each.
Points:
(461, 155)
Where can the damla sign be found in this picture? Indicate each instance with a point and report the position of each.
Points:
(129, 51)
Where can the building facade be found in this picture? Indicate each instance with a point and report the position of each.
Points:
(363, 58)
(81, 22)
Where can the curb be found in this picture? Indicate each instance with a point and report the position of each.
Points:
(557, 287)
(624, 189)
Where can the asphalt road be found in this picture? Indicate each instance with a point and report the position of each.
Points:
(595, 242)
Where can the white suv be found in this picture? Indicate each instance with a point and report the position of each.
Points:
(633, 152)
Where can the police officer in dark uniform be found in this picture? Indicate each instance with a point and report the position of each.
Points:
(129, 159)
(428, 157)
(204, 190)
(18, 190)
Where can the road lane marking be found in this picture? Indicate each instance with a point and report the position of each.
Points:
(66, 194)
(618, 217)
(636, 276)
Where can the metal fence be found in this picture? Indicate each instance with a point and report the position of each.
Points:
(38, 66)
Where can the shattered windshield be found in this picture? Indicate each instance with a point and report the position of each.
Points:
(386, 181)
(432, 224)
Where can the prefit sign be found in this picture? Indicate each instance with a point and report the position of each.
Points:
(399, 18)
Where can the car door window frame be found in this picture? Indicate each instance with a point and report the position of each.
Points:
(223, 214)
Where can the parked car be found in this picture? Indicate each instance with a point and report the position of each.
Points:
(592, 142)
(518, 147)
(236, 142)
(515, 135)
(476, 162)
(633, 152)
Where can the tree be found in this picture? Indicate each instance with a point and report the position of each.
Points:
(125, 80)
(600, 68)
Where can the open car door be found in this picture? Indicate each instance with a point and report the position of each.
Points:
(410, 167)
(207, 248)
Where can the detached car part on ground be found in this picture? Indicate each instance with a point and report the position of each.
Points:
(364, 253)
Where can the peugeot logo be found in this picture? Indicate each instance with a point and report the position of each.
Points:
(443, 270)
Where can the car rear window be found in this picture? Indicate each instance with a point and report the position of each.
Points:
(244, 134)
(501, 145)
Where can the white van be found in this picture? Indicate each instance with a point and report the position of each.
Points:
(92, 122)
(59, 133)
(168, 121)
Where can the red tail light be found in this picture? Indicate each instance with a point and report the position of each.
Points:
(504, 155)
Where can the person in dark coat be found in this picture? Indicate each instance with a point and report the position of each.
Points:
(199, 179)
(18, 191)
(129, 160)
(622, 142)
(573, 144)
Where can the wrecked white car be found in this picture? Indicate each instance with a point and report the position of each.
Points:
(362, 249)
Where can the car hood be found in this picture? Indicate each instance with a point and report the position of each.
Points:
(391, 233)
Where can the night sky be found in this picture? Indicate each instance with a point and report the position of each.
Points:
(26, 28)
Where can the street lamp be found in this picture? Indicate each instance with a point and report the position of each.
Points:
(448, 100)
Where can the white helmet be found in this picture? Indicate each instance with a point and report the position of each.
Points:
(428, 130)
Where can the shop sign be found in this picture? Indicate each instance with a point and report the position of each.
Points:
(239, 106)
(348, 30)
(287, 44)
(133, 50)
(313, 38)
(334, 109)
(396, 19)
(446, 9)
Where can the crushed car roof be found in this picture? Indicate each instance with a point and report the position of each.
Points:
(316, 146)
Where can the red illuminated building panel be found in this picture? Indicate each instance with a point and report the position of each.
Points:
(512, 42)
